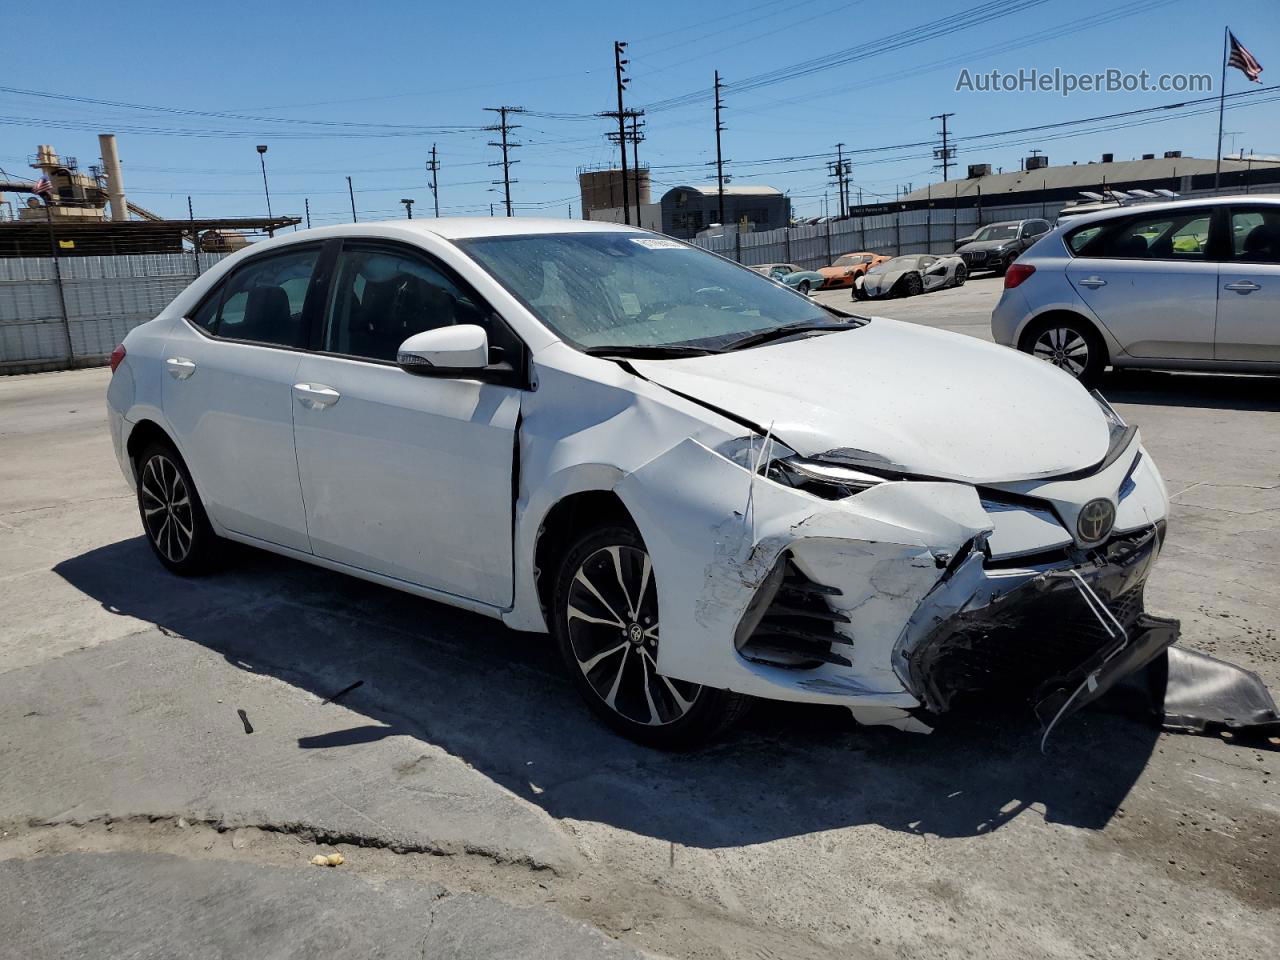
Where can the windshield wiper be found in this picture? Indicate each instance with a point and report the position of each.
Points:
(656, 351)
(786, 330)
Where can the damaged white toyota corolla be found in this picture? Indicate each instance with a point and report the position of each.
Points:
(706, 486)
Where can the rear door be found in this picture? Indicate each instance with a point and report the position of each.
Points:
(228, 393)
(1149, 279)
(1249, 286)
(403, 475)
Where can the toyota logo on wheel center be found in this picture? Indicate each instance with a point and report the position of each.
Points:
(1095, 520)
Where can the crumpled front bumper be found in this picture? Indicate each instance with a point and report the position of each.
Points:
(1059, 637)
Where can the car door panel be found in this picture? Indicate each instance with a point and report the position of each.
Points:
(230, 402)
(1249, 288)
(408, 476)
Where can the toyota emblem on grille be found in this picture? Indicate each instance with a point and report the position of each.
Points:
(1095, 520)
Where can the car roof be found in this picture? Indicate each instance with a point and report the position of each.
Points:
(456, 228)
(1080, 219)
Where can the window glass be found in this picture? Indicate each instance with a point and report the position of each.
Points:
(206, 317)
(1164, 236)
(1255, 235)
(997, 231)
(381, 298)
(1081, 238)
(263, 300)
(623, 289)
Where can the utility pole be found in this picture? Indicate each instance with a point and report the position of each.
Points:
(306, 205)
(636, 137)
(840, 169)
(408, 206)
(262, 156)
(619, 68)
(947, 153)
(195, 236)
(719, 155)
(352, 194)
(433, 167)
(504, 128)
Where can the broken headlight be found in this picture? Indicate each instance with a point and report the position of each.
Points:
(781, 464)
(1119, 433)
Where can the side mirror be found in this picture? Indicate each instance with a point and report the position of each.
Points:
(445, 351)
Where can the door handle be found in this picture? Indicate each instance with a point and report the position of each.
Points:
(1243, 286)
(1093, 282)
(316, 396)
(180, 367)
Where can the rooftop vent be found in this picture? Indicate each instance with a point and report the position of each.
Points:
(1037, 163)
(979, 170)
(1108, 158)
(1172, 154)
(1148, 156)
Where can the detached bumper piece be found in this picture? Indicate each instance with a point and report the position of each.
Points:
(1193, 692)
(1060, 639)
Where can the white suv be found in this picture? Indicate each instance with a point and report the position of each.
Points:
(1185, 284)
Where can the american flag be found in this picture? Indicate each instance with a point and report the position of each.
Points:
(42, 187)
(1243, 60)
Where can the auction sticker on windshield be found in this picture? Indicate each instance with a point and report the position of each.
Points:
(657, 243)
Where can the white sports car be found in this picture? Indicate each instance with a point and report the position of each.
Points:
(911, 275)
(706, 488)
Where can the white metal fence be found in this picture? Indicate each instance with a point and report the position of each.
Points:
(105, 297)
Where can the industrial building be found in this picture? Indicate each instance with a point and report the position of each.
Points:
(77, 214)
(1039, 182)
(689, 209)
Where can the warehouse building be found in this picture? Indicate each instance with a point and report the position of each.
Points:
(689, 209)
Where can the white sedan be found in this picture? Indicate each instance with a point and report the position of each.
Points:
(596, 431)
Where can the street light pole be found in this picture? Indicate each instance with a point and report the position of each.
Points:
(262, 156)
(408, 206)
(352, 194)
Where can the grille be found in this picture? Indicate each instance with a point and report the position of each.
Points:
(797, 630)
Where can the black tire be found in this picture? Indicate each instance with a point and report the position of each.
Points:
(961, 275)
(911, 285)
(803, 287)
(629, 697)
(858, 292)
(1001, 268)
(1070, 343)
(173, 517)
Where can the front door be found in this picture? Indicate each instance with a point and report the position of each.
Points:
(406, 476)
(1152, 284)
(1249, 288)
(227, 394)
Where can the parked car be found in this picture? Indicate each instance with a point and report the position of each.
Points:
(997, 245)
(1177, 285)
(910, 275)
(590, 430)
(788, 273)
(846, 269)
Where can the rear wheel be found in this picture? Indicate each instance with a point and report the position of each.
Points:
(606, 624)
(173, 517)
(1069, 344)
(803, 287)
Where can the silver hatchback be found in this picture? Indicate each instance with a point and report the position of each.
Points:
(1190, 284)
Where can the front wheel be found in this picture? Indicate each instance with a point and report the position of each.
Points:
(912, 286)
(961, 275)
(605, 620)
(1070, 345)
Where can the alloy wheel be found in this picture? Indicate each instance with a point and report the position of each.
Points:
(612, 621)
(1064, 348)
(166, 508)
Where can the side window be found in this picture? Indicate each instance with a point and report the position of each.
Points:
(206, 316)
(1255, 235)
(1035, 228)
(1081, 238)
(263, 300)
(382, 297)
(1164, 236)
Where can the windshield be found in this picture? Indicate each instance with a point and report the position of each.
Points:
(998, 231)
(631, 290)
(851, 260)
(897, 263)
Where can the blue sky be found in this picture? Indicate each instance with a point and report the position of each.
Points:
(395, 69)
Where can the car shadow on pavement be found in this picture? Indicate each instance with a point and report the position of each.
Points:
(1215, 391)
(499, 700)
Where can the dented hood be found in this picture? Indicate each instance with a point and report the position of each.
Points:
(904, 397)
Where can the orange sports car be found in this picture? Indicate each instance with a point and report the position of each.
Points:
(848, 268)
